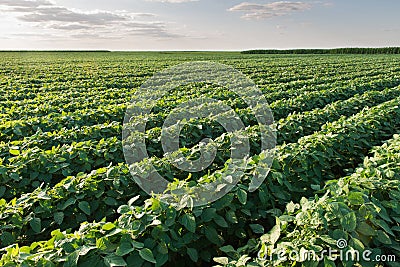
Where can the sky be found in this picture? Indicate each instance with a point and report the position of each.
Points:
(197, 24)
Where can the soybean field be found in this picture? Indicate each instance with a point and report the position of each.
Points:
(68, 196)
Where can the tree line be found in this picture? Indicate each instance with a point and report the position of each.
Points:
(350, 50)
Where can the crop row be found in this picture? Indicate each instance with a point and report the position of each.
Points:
(80, 79)
(361, 209)
(14, 130)
(50, 166)
(77, 93)
(29, 169)
(233, 218)
(19, 111)
(96, 88)
(301, 124)
(317, 81)
(289, 129)
(47, 140)
(82, 156)
(12, 110)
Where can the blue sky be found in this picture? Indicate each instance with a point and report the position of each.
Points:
(197, 25)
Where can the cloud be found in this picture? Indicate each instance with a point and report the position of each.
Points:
(172, 1)
(269, 10)
(71, 26)
(24, 3)
(77, 23)
(62, 14)
(328, 4)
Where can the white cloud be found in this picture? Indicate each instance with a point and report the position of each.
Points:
(24, 3)
(269, 10)
(77, 23)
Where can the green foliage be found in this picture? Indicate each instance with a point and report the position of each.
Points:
(67, 198)
(361, 208)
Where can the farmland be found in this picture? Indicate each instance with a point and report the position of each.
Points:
(67, 197)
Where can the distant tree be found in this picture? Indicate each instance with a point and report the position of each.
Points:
(347, 50)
